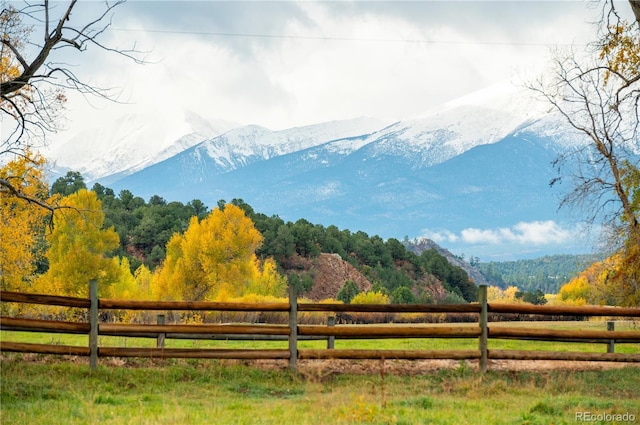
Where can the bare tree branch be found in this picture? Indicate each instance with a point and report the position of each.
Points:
(39, 79)
(7, 187)
(600, 101)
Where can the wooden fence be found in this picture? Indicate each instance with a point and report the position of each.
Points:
(294, 331)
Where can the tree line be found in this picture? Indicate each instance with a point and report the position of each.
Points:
(171, 250)
(145, 228)
(546, 274)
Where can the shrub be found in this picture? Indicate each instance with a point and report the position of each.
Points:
(370, 297)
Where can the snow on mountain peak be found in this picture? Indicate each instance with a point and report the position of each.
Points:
(136, 141)
(482, 117)
(249, 143)
(132, 142)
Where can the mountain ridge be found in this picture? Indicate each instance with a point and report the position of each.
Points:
(474, 174)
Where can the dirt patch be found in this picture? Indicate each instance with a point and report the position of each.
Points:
(320, 369)
(324, 368)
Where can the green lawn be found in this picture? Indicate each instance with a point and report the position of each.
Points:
(51, 390)
(54, 390)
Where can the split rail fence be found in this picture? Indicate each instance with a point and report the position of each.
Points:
(294, 331)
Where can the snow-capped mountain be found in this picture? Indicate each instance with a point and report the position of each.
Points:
(481, 118)
(472, 175)
(249, 144)
(133, 142)
(240, 148)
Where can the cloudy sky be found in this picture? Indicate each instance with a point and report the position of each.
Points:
(285, 64)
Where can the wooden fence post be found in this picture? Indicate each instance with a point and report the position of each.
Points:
(293, 328)
(484, 331)
(93, 323)
(331, 340)
(611, 347)
(161, 336)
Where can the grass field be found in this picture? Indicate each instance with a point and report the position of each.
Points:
(59, 390)
(45, 390)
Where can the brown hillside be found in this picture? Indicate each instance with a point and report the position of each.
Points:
(330, 273)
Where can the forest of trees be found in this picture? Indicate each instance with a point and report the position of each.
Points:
(546, 274)
(174, 250)
(57, 239)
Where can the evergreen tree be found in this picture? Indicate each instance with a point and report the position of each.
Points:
(348, 291)
(69, 184)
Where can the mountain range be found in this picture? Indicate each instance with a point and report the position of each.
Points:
(473, 174)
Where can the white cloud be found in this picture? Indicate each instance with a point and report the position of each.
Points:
(298, 63)
(534, 233)
(440, 236)
(531, 233)
(491, 236)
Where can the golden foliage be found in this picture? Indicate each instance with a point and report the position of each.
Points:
(575, 292)
(609, 282)
(371, 297)
(624, 278)
(22, 225)
(125, 286)
(79, 247)
(506, 296)
(620, 48)
(215, 260)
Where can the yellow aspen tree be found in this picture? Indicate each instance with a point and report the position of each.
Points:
(227, 253)
(494, 294)
(143, 277)
(180, 277)
(22, 224)
(128, 286)
(215, 260)
(576, 292)
(267, 281)
(125, 287)
(79, 247)
(509, 295)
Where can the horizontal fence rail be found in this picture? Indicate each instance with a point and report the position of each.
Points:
(294, 331)
(52, 300)
(549, 310)
(189, 305)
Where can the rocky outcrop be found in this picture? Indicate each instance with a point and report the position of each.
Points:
(330, 272)
(425, 244)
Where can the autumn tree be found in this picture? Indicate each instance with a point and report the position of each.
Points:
(34, 76)
(21, 227)
(497, 295)
(599, 97)
(79, 247)
(215, 259)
